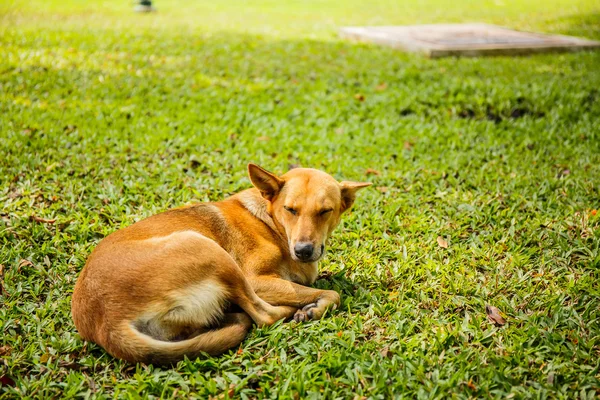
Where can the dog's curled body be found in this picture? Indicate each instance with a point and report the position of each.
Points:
(161, 289)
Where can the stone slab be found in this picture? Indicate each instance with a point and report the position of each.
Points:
(442, 40)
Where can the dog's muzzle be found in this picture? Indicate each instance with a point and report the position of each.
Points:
(306, 252)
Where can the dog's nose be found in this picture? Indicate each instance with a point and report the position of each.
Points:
(304, 251)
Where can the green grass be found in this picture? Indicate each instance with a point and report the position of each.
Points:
(107, 117)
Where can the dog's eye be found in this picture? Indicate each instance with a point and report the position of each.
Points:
(290, 210)
(325, 212)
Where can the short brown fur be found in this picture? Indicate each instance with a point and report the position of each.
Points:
(160, 289)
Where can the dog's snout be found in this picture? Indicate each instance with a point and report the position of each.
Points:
(304, 251)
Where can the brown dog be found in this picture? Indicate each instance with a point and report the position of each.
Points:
(159, 290)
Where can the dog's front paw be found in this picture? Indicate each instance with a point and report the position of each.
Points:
(306, 313)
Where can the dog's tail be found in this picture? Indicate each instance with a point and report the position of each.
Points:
(134, 346)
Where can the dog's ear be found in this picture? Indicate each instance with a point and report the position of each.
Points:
(268, 183)
(349, 190)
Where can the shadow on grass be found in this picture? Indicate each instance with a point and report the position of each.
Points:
(134, 76)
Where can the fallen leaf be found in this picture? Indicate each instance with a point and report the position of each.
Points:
(42, 220)
(44, 358)
(72, 365)
(381, 87)
(231, 391)
(382, 189)
(442, 242)
(93, 387)
(24, 262)
(359, 97)
(471, 385)
(14, 195)
(371, 171)
(6, 381)
(385, 352)
(5, 350)
(408, 145)
(494, 315)
(195, 164)
(263, 138)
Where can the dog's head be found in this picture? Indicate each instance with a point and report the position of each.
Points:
(307, 203)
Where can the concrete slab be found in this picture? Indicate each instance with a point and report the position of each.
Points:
(442, 40)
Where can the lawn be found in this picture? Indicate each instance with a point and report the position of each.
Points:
(107, 117)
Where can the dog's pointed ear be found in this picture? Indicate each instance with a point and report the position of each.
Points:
(268, 183)
(349, 190)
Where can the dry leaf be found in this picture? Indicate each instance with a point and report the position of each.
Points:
(263, 138)
(385, 351)
(193, 164)
(24, 262)
(381, 87)
(42, 220)
(382, 189)
(371, 171)
(72, 365)
(230, 392)
(44, 358)
(494, 315)
(359, 97)
(6, 381)
(442, 242)
(471, 385)
(408, 145)
(5, 350)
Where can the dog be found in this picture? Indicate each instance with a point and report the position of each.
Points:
(163, 288)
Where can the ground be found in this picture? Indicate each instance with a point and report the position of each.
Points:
(486, 180)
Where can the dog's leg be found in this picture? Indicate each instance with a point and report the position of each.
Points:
(242, 294)
(310, 303)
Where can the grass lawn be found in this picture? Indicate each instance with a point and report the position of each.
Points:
(107, 117)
